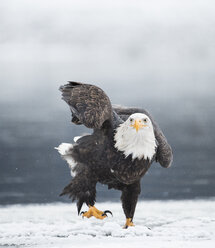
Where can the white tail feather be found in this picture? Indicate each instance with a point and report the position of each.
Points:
(64, 148)
(77, 138)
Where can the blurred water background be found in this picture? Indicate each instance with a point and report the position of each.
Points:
(159, 55)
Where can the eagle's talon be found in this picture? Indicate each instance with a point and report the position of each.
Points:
(128, 223)
(82, 213)
(107, 211)
(93, 211)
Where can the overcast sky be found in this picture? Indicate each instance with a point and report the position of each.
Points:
(161, 49)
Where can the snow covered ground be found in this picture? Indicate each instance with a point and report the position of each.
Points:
(187, 223)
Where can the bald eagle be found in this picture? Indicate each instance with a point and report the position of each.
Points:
(122, 147)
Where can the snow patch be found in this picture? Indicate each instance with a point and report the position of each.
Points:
(157, 224)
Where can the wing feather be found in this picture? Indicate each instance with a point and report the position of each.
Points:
(88, 103)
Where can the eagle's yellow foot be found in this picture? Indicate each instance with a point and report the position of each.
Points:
(128, 223)
(93, 211)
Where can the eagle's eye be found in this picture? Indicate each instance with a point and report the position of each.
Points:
(145, 120)
(131, 119)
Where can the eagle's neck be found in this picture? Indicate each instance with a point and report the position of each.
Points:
(141, 144)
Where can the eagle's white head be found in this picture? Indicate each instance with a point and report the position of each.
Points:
(136, 136)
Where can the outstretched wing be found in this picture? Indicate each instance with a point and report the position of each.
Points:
(164, 151)
(88, 103)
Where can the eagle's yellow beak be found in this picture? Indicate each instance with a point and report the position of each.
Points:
(138, 124)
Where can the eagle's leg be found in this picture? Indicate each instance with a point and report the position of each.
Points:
(83, 189)
(129, 199)
(93, 211)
